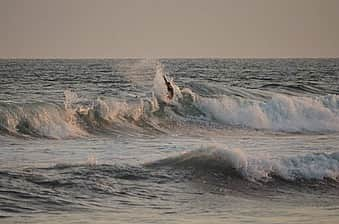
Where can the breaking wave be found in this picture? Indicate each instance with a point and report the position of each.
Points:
(56, 121)
(279, 113)
(235, 162)
(37, 119)
(80, 117)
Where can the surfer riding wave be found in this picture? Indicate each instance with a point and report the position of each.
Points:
(170, 90)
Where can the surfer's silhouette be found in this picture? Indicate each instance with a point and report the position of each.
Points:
(169, 88)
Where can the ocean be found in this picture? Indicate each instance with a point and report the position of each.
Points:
(224, 141)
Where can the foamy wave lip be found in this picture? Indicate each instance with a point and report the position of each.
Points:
(280, 113)
(215, 158)
(311, 166)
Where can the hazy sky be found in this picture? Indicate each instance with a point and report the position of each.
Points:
(168, 28)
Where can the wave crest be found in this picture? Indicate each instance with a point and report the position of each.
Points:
(280, 113)
(38, 119)
(317, 166)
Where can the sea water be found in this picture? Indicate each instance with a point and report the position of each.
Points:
(101, 141)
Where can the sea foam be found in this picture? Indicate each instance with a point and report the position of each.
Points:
(280, 113)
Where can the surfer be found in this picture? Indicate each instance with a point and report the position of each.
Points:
(170, 89)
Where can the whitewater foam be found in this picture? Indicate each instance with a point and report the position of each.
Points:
(280, 113)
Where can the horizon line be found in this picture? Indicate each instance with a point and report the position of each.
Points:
(155, 58)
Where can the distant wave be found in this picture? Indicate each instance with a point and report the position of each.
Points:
(296, 88)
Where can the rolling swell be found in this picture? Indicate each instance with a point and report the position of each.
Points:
(78, 187)
(296, 88)
(213, 169)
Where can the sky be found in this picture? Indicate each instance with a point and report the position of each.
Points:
(169, 28)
